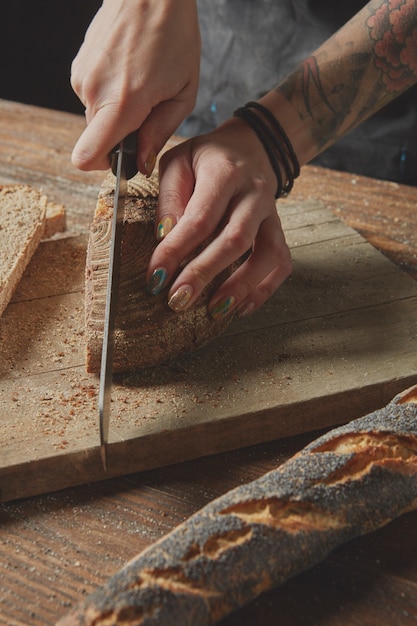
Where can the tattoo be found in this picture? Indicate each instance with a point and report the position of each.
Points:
(393, 32)
(311, 82)
(357, 71)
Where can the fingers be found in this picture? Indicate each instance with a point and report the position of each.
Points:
(160, 125)
(252, 223)
(265, 269)
(216, 204)
(195, 205)
(91, 152)
(176, 183)
(110, 124)
(255, 281)
(137, 69)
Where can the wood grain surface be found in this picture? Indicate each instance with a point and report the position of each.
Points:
(57, 547)
(336, 336)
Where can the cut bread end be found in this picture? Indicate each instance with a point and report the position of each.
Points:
(22, 226)
(55, 219)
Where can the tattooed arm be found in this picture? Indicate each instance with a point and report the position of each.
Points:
(365, 65)
(226, 178)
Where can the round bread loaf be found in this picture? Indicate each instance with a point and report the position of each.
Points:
(147, 331)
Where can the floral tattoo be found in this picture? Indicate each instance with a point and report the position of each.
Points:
(393, 30)
(359, 70)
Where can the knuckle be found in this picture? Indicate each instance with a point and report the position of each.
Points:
(167, 250)
(199, 275)
(238, 240)
(260, 186)
(76, 79)
(279, 254)
(202, 224)
(282, 264)
(169, 197)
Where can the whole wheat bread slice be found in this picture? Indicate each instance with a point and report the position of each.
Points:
(22, 226)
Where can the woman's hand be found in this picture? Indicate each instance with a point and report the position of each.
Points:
(221, 182)
(138, 68)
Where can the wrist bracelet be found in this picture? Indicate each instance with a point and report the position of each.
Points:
(275, 142)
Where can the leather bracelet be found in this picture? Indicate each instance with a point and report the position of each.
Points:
(275, 142)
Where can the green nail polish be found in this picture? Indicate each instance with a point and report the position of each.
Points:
(157, 281)
(164, 227)
(222, 307)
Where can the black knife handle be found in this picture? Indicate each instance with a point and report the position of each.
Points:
(129, 154)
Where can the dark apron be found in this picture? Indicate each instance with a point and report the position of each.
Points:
(250, 45)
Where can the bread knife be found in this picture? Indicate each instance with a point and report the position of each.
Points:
(123, 164)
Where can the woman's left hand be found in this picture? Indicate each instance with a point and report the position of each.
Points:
(219, 185)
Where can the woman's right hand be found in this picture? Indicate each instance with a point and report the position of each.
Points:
(138, 68)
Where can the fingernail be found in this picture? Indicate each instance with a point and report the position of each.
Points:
(165, 226)
(157, 281)
(180, 299)
(150, 164)
(246, 309)
(222, 307)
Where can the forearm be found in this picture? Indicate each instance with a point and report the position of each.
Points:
(228, 179)
(365, 65)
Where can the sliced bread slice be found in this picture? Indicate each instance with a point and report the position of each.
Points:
(22, 225)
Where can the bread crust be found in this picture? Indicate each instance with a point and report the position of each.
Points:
(22, 224)
(55, 219)
(147, 331)
(349, 482)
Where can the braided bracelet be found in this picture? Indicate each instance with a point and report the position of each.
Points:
(275, 142)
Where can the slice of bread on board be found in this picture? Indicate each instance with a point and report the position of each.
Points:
(22, 226)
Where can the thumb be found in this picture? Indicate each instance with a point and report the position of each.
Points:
(104, 131)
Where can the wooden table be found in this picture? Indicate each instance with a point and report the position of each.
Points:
(56, 548)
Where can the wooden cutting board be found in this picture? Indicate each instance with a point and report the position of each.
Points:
(336, 341)
(338, 337)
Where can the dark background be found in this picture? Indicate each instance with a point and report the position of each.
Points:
(39, 39)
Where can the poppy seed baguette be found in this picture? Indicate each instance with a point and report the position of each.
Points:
(348, 482)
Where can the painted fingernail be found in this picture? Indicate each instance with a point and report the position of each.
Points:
(180, 299)
(165, 226)
(222, 308)
(157, 281)
(150, 164)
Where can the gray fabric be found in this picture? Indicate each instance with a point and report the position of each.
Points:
(250, 45)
